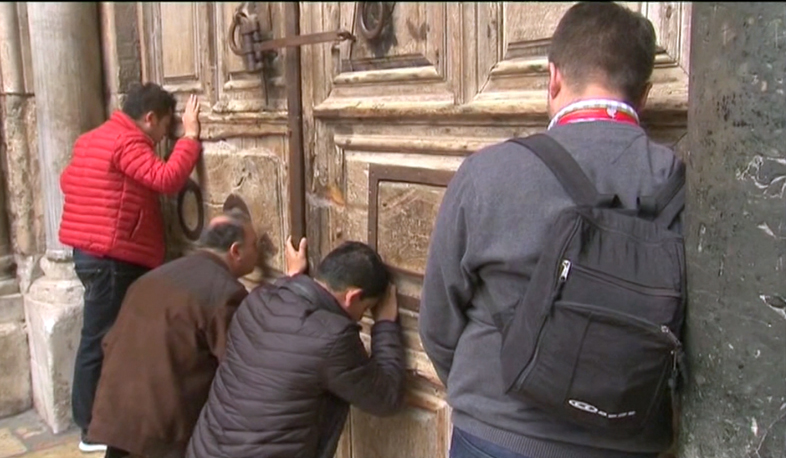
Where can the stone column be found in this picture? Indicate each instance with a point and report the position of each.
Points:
(735, 405)
(65, 49)
(15, 396)
(21, 165)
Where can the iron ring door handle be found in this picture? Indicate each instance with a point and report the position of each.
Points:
(374, 30)
(193, 187)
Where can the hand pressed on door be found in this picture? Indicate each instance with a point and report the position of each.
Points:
(297, 261)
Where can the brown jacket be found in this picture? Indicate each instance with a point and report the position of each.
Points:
(294, 363)
(162, 353)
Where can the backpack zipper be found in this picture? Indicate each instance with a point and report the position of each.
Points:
(676, 356)
(666, 330)
(563, 276)
(565, 270)
(676, 350)
(655, 328)
(614, 281)
(565, 266)
(525, 370)
(639, 322)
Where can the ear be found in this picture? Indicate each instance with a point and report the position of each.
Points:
(150, 118)
(642, 102)
(555, 81)
(353, 296)
(234, 250)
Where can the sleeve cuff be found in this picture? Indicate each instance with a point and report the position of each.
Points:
(190, 144)
(385, 326)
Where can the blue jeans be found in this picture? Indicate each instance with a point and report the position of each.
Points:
(106, 281)
(464, 445)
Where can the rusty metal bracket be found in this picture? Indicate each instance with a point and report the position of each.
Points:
(301, 40)
(248, 40)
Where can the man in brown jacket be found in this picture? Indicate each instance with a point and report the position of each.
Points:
(162, 352)
(295, 362)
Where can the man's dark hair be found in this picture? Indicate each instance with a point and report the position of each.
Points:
(143, 98)
(354, 264)
(607, 43)
(222, 235)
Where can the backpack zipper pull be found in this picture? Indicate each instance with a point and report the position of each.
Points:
(676, 357)
(666, 330)
(563, 276)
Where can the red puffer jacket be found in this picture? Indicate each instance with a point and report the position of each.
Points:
(111, 191)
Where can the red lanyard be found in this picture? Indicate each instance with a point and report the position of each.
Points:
(597, 114)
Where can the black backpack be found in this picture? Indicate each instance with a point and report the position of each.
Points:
(595, 339)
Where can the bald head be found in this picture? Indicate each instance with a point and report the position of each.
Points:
(224, 230)
(221, 219)
(232, 235)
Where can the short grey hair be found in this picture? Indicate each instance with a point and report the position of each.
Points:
(222, 235)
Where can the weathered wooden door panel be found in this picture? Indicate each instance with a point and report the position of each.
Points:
(388, 121)
(512, 39)
(185, 48)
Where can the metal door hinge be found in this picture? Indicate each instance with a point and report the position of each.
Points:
(256, 45)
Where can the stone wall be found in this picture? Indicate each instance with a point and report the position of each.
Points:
(736, 234)
(66, 57)
(45, 105)
(21, 215)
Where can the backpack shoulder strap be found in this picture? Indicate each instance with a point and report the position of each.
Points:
(565, 168)
(671, 199)
(667, 204)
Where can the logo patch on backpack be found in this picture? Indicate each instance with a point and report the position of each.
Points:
(581, 405)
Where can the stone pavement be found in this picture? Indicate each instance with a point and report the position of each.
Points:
(25, 435)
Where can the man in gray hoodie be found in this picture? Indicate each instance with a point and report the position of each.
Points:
(493, 220)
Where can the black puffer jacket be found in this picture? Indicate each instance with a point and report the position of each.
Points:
(294, 360)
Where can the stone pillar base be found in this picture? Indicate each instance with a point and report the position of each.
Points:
(15, 390)
(53, 309)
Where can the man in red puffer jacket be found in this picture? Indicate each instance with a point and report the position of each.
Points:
(112, 217)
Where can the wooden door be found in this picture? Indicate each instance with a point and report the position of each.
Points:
(389, 119)
(185, 48)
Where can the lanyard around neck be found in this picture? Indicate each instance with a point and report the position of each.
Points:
(596, 110)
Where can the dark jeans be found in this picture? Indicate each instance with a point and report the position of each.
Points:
(106, 281)
(464, 445)
(112, 452)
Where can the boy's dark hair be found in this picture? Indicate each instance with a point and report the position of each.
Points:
(221, 236)
(143, 98)
(605, 42)
(354, 264)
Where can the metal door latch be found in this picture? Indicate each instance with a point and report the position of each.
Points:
(255, 43)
